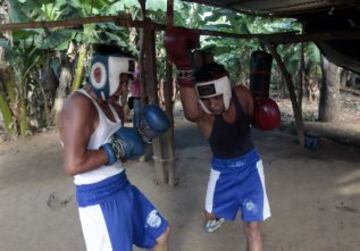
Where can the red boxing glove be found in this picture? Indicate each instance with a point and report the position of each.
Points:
(178, 43)
(266, 114)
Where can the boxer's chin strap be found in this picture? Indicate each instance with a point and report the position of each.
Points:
(214, 88)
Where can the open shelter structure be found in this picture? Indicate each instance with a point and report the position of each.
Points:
(332, 24)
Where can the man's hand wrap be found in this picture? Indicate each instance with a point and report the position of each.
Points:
(178, 43)
(126, 143)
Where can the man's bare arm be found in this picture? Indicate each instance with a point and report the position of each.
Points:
(192, 110)
(246, 100)
(77, 124)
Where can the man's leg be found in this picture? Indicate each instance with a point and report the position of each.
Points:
(209, 216)
(212, 222)
(254, 240)
(163, 241)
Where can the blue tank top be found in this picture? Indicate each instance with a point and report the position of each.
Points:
(231, 140)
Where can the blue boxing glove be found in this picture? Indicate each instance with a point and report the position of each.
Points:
(126, 143)
(153, 122)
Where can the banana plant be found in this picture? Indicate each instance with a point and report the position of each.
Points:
(7, 97)
(23, 58)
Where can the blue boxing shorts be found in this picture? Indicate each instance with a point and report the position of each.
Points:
(115, 215)
(238, 184)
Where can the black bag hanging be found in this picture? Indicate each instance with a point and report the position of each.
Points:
(260, 70)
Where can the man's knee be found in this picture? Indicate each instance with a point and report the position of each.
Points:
(252, 230)
(162, 240)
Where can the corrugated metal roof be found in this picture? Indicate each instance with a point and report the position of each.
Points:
(279, 7)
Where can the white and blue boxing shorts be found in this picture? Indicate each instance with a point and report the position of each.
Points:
(235, 185)
(114, 215)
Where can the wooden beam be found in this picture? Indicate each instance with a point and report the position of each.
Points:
(125, 21)
(259, 36)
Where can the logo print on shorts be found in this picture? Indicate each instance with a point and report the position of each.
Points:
(153, 219)
(250, 206)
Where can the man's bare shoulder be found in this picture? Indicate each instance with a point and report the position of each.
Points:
(77, 103)
(242, 91)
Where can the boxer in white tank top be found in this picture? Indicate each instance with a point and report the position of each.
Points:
(114, 214)
(101, 135)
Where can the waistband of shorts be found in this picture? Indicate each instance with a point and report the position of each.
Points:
(91, 194)
(234, 163)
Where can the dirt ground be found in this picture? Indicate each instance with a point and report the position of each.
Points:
(314, 196)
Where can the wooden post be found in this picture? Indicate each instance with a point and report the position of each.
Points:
(141, 55)
(301, 76)
(290, 85)
(169, 105)
(149, 73)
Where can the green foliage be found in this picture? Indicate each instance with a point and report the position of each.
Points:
(29, 51)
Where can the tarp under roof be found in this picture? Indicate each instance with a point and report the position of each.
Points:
(280, 7)
(317, 16)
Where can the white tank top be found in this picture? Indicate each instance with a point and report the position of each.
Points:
(100, 136)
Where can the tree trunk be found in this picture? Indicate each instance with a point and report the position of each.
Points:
(301, 77)
(10, 94)
(22, 117)
(344, 77)
(290, 85)
(64, 83)
(329, 104)
(49, 85)
(79, 70)
(8, 121)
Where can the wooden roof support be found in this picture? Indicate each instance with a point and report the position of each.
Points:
(141, 54)
(148, 72)
(290, 85)
(169, 92)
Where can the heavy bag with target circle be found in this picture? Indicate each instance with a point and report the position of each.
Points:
(260, 70)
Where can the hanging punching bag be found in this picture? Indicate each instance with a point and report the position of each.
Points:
(260, 70)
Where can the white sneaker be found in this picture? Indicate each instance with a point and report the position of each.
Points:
(212, 225)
